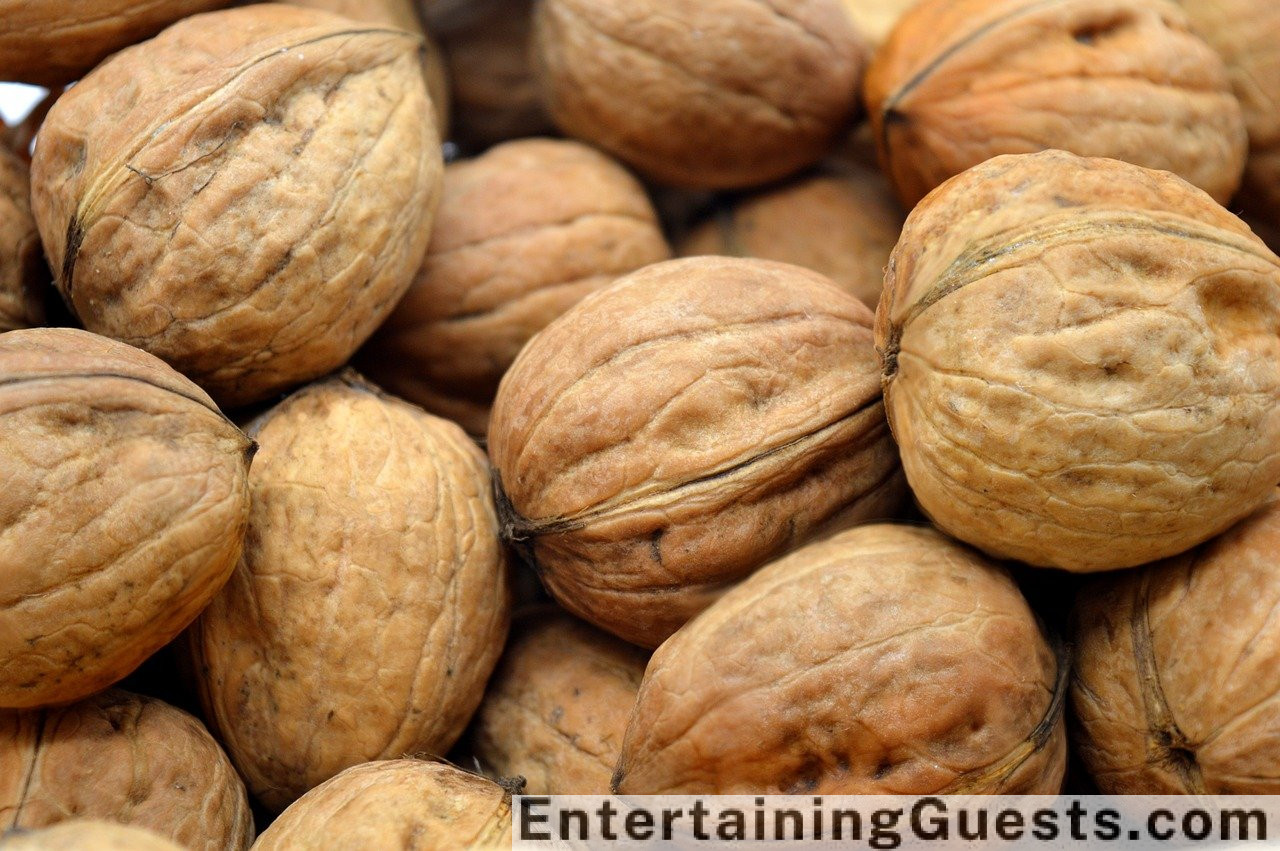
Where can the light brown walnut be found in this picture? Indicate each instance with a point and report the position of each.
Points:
(22, 271)
(86, 835)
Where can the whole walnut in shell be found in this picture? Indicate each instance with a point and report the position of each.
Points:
(247, 195)
(86, 835)
(713, 94)
(675, 431)
(961, 81)
(885, 660)
(1082, 361)
(371, 603)
(1179, 668)
(122, 513)
(22, 271)
(523, 233)
(557, 707)
(398, 804)
(123, 758)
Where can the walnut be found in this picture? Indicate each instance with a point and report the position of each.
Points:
(22, 270)
(876, 18)
(86, 835)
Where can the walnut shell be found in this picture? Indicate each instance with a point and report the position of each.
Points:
(557, 707)
(400, 804)
(123, 758)
(247, 195)
(123, 510)
(371, 603)
(713, 94)
(1179, 669)
(523, 233)
(875, 19)
(961, 81)
(22, 270)
(884, 660)
(1082, 361)
(86, 835)
(675, 431)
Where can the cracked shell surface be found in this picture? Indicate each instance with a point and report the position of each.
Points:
(675, 431)
(715, 94)
(557, 707)
(884, 660)
(86, 835)
(1082, 362)
(22, 271)
(524, 232)
(371, 603)
(1178, 670)
(399, 804)
(962, 81)
(123, 510)
(246, 196)
(123, 758)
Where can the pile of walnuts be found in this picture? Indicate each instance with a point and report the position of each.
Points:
(650, 397)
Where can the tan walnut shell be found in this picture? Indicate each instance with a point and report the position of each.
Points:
(876, 18)
(1179, 669)
(557, 707)
(246, 196)
(961, 81)
(1082, 361)
(86, 835)
(22, 270)
(523, 233)
(371, 603)
(884, 660)
(715, 94)
(397, 805)
(123, 758)
(677, 430)
(122, 513)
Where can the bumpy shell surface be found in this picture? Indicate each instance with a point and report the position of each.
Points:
(123, 758)
(86, 835)
(247, 195)
(884, 660)
(1082, 362)
(1179, 670)
(675, 431)
(371, 603)
(714, 94)
(398, 805)
(22, 271)
(961, 81)
(524, 233)
(122, 513)
(557, 707)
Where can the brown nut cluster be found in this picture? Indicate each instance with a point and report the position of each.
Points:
(122, 758)
(961, 81)
(123, 510)
(675, 431)
(22, 270)
(246, 195)
(86, 835)
(1082, 362)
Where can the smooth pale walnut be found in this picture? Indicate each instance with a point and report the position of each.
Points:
(371, 603)
(557, 707)
(122, 758)
(675, 431)
(1082, 361)
(123, 511)
(713, 94)
(22, 271)
(397, 805)
(86, 835)
(246, 196)
(524, 232)
(1179, 669)
(961, 81)
(885, 660)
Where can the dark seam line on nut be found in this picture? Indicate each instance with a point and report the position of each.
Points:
(42, 719)
(5, 382)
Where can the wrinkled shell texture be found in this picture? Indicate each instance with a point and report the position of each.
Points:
(673, 432)
(557, 707)
(884, 660)
(122, 758)
(842, 225)
(524, 232)
(51, 42)
(1082, 362)
(1177, 675)
(714, 94)
(87, 835)
(961, 81)
(247, 195)
(22, 272)
(875, 19)
(426, 806)
(371, 603)
(122, 513)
